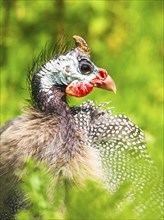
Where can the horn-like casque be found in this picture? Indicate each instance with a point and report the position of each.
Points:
(81, 45)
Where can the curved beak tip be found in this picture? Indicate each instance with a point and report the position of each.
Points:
(114, 89)
(109, 84)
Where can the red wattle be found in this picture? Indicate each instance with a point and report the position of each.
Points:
(79, 89)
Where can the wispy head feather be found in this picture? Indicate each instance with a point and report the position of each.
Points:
(50, 50)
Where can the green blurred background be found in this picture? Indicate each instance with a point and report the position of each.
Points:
(125, 37)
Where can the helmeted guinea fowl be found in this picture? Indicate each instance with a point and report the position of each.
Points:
(76, 142)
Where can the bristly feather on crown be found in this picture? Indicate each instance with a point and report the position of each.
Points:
(51, 50)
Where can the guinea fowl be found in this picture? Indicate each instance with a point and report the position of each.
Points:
(76, 143)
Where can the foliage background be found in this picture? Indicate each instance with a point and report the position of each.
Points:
(125, 37)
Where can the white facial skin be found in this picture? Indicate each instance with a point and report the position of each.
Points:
(64, 70)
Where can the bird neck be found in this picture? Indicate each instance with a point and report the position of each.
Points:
(52, 101)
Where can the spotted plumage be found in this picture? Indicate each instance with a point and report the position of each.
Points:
(122, 149)
(76, 143)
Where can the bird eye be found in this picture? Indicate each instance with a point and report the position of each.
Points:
(86, 67)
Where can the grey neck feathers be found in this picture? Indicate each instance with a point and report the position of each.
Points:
(53, 102)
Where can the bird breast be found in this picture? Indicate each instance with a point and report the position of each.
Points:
(43, 139)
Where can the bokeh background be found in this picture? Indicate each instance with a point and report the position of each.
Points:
(125, 37)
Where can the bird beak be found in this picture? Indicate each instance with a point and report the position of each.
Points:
(104, 81)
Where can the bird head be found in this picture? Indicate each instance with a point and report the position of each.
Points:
(75, 72)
